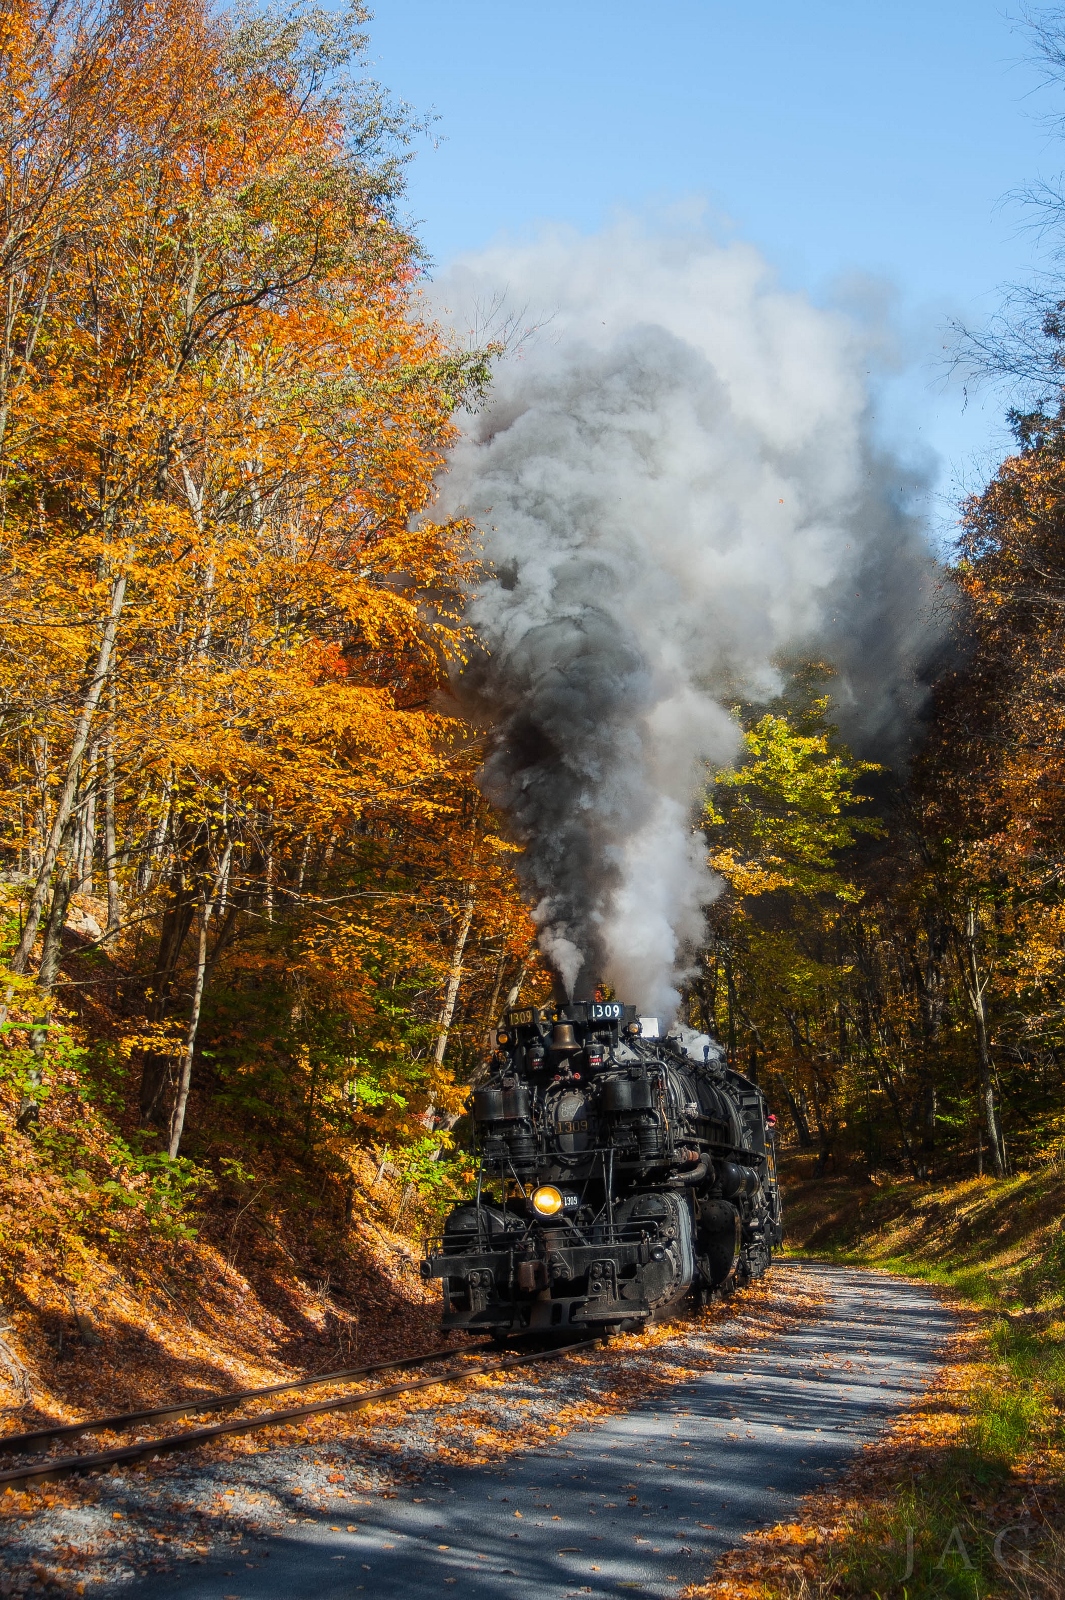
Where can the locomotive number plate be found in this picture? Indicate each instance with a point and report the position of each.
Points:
(522, 1019)
(578, 1125)
(609, 1012)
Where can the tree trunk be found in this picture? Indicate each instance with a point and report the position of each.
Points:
(928, 1129)
(85, 810)
(825, 1135)
(51, 954)
(454, 979)
(114, 906)
(976, 987)
(40, 768)
(153, 849)
(177, 920)
(269, 863)
(987, 1097)
(52, 947)
(177, 1120)
(448, 1012)
(707, 993)
(888, 1084)
(802, 1127)
(82, 729)
(500, 966)
(730, 996)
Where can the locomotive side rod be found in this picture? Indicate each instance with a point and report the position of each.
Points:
(71, 1466)
(20, 1443)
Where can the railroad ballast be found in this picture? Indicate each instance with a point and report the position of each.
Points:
(619, 1173)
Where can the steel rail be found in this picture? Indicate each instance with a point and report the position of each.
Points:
(21, 1443)
(50, 1471)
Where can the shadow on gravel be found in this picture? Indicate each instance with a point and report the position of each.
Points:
(641, 1502)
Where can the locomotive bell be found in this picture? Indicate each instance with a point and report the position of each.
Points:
(564, 1040)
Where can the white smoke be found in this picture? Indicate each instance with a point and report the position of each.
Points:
(677, 487)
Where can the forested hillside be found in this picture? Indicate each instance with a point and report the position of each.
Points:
(257, 915)
(250, 891)
(891, 950)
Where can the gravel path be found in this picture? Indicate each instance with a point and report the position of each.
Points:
(641, 1502)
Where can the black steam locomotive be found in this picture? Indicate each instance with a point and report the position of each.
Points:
(619, 1174)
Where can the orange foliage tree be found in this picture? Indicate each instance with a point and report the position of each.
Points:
(226, 623)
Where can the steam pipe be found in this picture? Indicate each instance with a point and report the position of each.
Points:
(687, 1180)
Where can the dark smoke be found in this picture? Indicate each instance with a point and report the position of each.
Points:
(677, 489)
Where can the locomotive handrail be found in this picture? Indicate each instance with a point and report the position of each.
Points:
(728, 1152)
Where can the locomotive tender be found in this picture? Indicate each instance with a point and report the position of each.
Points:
(619, 1173)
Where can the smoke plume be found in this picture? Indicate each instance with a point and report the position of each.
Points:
(677, 488)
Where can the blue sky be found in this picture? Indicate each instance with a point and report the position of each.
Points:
(848, 139)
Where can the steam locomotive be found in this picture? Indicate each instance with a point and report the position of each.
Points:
(619, 1174)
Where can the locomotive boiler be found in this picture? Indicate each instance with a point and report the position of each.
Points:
(619, 1173)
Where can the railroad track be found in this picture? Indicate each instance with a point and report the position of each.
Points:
(50, 1469)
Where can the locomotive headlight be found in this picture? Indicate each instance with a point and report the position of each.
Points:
(547, 1200)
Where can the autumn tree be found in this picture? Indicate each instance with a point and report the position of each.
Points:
(227, 620)
(991, 776)
(888, 954)
(778, 825)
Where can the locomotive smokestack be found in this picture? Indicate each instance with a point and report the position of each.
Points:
(678, 488)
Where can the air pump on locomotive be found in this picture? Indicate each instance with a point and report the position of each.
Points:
(619, 1173)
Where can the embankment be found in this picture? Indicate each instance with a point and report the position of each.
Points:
(997, 1243)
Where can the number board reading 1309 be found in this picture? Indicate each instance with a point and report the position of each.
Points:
(596, 1011)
